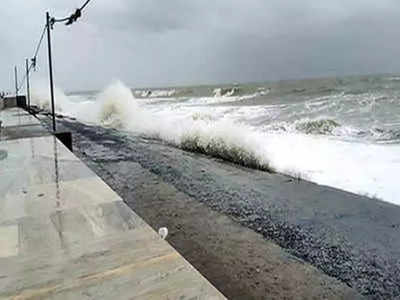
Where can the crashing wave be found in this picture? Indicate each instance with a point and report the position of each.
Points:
(226, 92)
(320, 126)
(332, 127)
(117, 105)
(202, 133)
(385, 135)
(155, 93)
(263, 91)
(41, 98)
(203, 117)
(220, 147)
(225, 138)
(307, 126)
(298, 90)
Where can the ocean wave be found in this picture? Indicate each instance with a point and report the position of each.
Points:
(262, 91)
(74, 106)
(385, 135)
(298, 90)
(41, 97)
(328, 90)
(203, 116)
(226, 92)
(155, 93)
(116, 107)
(394, 78)
(331, 162)
(356, 92)
(220, 100)
(318, 126)
(239, 93)
(326, 126)
(219, 147)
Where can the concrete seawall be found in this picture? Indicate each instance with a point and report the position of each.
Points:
(64, 234)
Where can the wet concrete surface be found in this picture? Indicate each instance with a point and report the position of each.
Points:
(65, 234)
(17, 123)
(346, 236)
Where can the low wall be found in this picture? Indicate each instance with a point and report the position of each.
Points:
(9, 102)
(21, 101)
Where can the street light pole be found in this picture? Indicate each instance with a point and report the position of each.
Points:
(50, 70)
(16, 83)
(28, 93)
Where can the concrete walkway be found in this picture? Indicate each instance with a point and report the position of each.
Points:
(17, 124)
(64, 234)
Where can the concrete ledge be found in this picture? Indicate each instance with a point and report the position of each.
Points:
(18, 132)
(9, 102)
(65, 234)
(17, 123)
(65, 138)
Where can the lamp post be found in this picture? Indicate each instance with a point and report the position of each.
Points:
(16, 82)
(48, 24)
(28, 93)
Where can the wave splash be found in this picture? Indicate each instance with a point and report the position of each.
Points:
(228, 141)
(330, 127)
(116, 107)
(155, 93)
(320, 126)
(331, 162)
(225, 92)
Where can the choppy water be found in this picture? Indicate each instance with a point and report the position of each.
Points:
(342, 132)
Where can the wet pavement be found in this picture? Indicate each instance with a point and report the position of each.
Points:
(17, 124)
(64, 234)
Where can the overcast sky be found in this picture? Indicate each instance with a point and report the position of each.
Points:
(178, 42)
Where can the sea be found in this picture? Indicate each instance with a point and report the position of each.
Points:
(340, 132)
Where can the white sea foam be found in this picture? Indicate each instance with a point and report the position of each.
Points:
(156, 93)
(220, 92)
(356, 167)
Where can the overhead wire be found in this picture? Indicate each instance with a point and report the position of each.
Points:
(69, 20)
(84, 5)
(40, 42)
(73, 17)
(34, 58)
(22, 82)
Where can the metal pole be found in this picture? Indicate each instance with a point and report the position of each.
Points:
(16, 83)
(50, 70)
(28, 93)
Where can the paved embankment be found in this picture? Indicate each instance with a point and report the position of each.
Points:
(64, 234)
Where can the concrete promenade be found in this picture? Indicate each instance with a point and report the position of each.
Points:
(64, 234)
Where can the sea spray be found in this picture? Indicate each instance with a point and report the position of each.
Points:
(224, 139)
(83, 110)
(118, 107)
(40, 95)
(311, 146)
(227, 140)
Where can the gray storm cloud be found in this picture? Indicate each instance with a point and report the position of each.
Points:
(153, 43)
